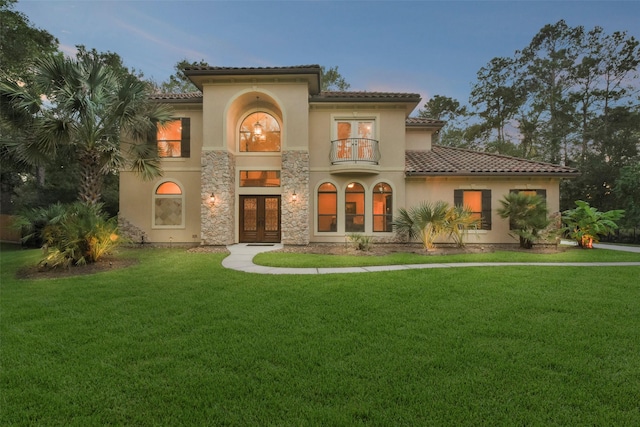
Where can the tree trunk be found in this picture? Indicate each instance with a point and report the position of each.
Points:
(90, 177)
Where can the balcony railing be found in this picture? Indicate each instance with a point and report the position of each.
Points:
(354, 151)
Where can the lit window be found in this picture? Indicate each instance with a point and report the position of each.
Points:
(478, 201)
(542, 193)
(354, 140)
(382, 207)
(260, 132)
(327, 207)
(168, 206)
(259, 178)
(173, 139)
(354, 208)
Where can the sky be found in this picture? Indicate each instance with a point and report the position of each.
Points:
(420, 46)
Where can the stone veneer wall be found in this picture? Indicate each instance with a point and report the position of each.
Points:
(130, 231)
(295, 214)
(218, 178)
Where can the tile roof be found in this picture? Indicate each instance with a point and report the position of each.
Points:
(423, 121)
(251, 70)
(364, 96)
(178, 97)
(458, 161)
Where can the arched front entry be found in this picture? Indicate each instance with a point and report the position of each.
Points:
(260, 219)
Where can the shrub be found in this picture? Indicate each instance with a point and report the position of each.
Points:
(527, 216)
(428, 221)
(74, 234)
(460, 220)
(585, 224)
(362, 242)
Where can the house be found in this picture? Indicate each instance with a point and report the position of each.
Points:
(263, 155)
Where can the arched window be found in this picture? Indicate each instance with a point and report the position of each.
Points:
(327, 207)
(382, 207)
(168, 206)
(260, 132)
(354, 208)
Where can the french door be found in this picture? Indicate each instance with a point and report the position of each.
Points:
(259, 219)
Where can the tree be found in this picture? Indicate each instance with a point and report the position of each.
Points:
(454, 132)
(20, 44)
(87, 105)
(527, 216)
(498, 97)
(547, 75)
(179, 82)
(332, 80)
(627, 192)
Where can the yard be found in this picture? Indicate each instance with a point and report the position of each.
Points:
(175, 339)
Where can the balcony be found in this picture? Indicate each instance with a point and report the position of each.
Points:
(354, 156)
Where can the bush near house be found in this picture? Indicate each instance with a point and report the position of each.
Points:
(428, 221)
(528, 216)
(74, 234)
(585, 224)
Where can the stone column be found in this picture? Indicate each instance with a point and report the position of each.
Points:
(217, 178)
(295, 213)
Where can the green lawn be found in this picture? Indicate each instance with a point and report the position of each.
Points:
(178, 340)
(295, 260)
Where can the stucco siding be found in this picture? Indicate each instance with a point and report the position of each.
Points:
(433, 189)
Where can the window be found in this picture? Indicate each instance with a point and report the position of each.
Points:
(353, 139)
(168, 206)
(260, 132)
(259, 178)
(327, 207)
(173, 138)
(542, 193)
(382, 207)
(354, 208)
(479, 201)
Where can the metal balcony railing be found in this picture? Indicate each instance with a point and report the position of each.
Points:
(354, 150)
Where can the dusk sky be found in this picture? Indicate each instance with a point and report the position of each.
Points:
(425, 47)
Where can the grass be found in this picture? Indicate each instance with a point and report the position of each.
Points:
(178, 340)
(294, 260)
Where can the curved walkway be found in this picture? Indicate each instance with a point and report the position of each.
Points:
(241, 259)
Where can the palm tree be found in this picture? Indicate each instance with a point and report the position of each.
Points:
(425, 221)
(527, 216)
(460, 219)
(105, 115)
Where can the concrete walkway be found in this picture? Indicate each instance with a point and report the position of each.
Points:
(241, 259)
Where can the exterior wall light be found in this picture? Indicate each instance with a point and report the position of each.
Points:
(212, 198)
(294, 197)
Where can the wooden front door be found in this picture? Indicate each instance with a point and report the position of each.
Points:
(259, 219)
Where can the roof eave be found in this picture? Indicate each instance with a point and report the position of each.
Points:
(311, 73)
(566, 175)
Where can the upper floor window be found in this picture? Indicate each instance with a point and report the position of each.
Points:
(168, 206)
(382, 207)
(355, 129)
(355, 141)
(260, 132)
(479, 201)
(173, 138)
